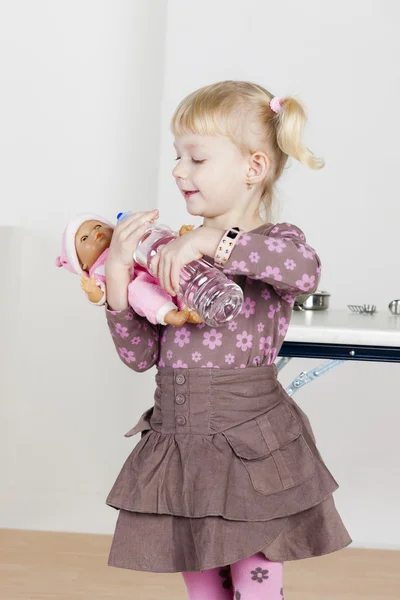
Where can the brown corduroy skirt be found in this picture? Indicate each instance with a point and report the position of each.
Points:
(226, 466)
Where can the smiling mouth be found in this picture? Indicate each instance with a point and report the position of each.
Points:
(188, 193)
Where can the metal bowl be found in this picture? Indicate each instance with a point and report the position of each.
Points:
(319, 300)
(394, 307)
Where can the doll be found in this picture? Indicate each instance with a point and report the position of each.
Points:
(85, 245)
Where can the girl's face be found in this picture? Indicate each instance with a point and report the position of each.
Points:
(211, 174)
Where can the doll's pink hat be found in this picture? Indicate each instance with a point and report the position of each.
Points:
(68, 258)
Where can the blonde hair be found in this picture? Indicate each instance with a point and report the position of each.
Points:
(241, 110)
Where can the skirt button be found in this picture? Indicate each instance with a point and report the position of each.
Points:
(180, 399)
(180, 379)
(181, 420)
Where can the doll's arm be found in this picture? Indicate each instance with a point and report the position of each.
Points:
(95, 290)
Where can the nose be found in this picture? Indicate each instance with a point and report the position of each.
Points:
(98, 235)
(180, 171)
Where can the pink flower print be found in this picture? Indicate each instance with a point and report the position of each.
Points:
(275, 229)
(182, 337)
(283, 326)
(143, 364)
(272, 310)
(243, 239)
(145, 326)
(260, 327)
(254, 257)
(122, 331)
(196, 356)
(164, 337)
(179, 365)
(136, 340)
(229, 358)
(129, 316)
(150, 343)
(307, 282)
(139, 325)
(256, 361)
(239, 266)
(273, 272)
(289, 299)
(161, 363)
(266, 294)
(169, 354)
(209, 365)
(212, 339)
(275, 244)
(200, 325)
(272, 356)
(264, 342)
(290, 264)
(319, 270)
(248, 307)
(244, 341)
(305, 251)
(232, 325)
(127, 355)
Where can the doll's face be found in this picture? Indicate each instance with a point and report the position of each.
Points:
(91, 239)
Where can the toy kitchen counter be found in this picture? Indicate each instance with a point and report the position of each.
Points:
(339, 335)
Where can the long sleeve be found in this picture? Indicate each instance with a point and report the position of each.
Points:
(279, 256)
(136, 340)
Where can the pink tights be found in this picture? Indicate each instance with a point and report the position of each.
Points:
(253, 578)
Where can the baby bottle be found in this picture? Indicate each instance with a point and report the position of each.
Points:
(202, 287)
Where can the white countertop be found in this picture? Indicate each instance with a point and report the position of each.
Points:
(341, 326)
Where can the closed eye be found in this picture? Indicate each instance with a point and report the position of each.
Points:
(196, 162)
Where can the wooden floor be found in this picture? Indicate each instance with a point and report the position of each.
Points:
(63, 566)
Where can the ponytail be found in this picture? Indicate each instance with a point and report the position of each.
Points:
(290, 121)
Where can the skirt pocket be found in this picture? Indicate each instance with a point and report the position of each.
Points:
(273, 450)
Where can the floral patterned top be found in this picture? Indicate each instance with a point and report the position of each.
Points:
(272, 264)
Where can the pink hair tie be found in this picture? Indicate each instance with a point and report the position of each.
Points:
(276, 104)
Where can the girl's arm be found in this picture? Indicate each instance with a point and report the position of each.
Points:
(278, 256)
(135, 339)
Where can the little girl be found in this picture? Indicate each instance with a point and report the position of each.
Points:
(226, 481)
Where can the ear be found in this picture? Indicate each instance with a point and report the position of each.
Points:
(258, 167)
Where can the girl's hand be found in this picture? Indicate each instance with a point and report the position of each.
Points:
(169, 260)
(126, 237)
(120, 257)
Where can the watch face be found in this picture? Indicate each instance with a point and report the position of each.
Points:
(232, 233)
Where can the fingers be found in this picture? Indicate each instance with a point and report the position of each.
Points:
(164, 273)
(175, 271)
(136, 220)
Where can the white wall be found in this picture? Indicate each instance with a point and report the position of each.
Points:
(80, 125)
(341, 58)
(80, 120)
